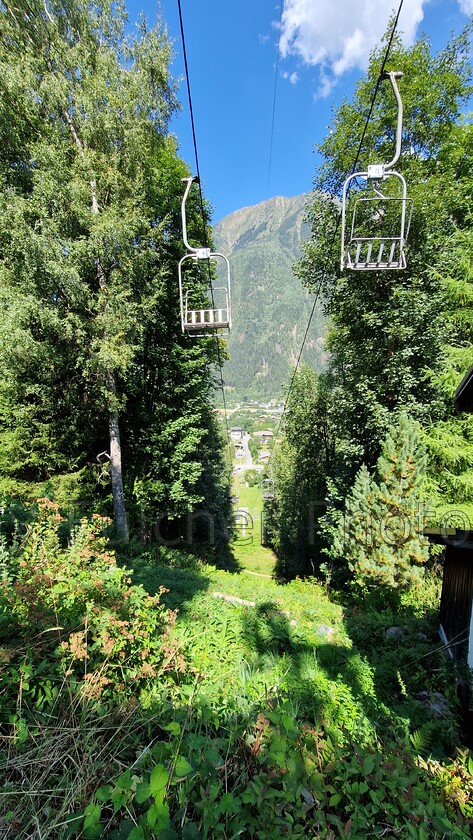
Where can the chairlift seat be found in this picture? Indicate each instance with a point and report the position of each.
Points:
(198, 320)
(375, 253)
(378, 207)
(384, 250)
(202, 320)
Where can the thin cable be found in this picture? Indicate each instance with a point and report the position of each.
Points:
(296, 368)
(202, 210)
(378, 82)
(319, 287)
(276, 73)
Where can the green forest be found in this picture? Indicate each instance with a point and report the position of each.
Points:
(166, 672)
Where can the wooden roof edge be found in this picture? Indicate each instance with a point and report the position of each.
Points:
(450, 536)
(464, 393)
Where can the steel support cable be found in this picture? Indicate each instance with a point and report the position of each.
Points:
(202, 210)
(324, 273)
(276, 71)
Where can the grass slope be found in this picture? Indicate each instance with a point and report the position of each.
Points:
(247, 547)
(253, 710)
(334, 665)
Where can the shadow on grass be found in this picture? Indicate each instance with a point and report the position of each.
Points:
(385, 678)
(321, 679)
(182, 573)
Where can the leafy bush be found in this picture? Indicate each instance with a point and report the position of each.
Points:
(280, 778)
(72, 613)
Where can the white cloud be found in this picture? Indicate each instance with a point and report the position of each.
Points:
(293, 77)
(339, 36)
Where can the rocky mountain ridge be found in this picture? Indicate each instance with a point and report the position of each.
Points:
(270, 306)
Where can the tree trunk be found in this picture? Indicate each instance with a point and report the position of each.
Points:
(118, 494)
(121, 523)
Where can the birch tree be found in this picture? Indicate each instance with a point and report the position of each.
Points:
(88, 225)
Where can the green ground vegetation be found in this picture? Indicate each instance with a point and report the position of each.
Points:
(247, 545)
(178, 700)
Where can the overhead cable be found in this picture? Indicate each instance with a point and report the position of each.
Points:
(276, 73)
(202, 209)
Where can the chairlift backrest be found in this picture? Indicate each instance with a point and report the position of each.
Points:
(197, 317)
(375, 239)
(267, 489)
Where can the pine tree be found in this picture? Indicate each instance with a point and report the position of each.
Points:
(380, 536)
(387, 328)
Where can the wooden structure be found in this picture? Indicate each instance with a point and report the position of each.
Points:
(456, 614)
(456, 603)
(464, 393)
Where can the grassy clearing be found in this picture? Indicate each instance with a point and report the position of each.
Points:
(336, 665)
(247, 548)
(293, 716)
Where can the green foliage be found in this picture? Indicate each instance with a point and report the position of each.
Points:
(301, 719)
(379, 536)
(91, 345)
(454, 782)
(93, 629)
(282, 778)
(251, 477)
(387, 331)
(301, 465)
(450, 439)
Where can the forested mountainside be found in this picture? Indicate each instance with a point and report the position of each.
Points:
(270, 307)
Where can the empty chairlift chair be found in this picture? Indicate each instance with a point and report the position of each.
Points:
(204, 310)
(376, 211)
(267, 489)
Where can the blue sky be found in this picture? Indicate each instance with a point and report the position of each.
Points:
(232, 49)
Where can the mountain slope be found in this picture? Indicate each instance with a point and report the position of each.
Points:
(270, 307)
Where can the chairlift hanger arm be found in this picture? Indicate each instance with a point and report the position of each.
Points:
(188, 182)
(392, 75)
(365, 249)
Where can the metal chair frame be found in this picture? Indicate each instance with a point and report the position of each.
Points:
(203, 321)
(267, 489)
(361, 252)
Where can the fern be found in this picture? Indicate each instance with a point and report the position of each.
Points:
(421, 739)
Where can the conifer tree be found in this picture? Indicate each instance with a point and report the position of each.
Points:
(387, 328)
(380, 536)
(450, 438)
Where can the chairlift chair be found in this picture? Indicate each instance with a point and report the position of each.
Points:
(267, 489)
(380, 211)
(197, 317)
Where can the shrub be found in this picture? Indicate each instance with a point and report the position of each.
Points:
(72, 613)
(279, 779)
